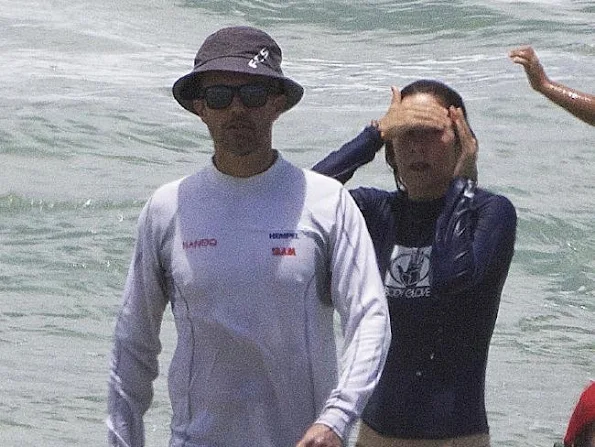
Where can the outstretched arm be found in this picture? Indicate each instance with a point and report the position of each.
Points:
(581, 105)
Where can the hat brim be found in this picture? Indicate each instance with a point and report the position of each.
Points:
(184, 88)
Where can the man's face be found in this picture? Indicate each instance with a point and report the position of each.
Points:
(238, 128)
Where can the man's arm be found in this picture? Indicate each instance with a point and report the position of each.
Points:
(342, 164)
(134, 363)
(581, 105)
(358, 296)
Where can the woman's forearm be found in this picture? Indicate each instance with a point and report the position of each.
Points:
(581, 105)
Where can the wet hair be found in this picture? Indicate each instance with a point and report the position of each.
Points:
(444, 94)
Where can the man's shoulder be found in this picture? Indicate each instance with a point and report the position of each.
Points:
(167, 191)
(165, 199)
(365, 197)
(321, 180)
(170, 190)
(372, 193)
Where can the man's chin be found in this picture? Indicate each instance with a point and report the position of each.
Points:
(241, 148)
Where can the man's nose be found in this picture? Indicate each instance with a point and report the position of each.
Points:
(236, 102)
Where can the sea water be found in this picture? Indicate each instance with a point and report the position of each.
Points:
(88, 129)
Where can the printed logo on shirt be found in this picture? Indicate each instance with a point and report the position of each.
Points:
(408, 274)
(198, 243)
(287, 235)
(283, 251)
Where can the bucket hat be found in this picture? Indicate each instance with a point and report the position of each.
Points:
(239, 49)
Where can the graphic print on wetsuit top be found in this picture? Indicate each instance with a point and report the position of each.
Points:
(408, 274)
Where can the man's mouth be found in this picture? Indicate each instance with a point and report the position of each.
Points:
(419, 166)
(239, 125)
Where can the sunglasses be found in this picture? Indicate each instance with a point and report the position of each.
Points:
(251, 95)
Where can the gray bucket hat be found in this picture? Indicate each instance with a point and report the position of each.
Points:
(240, 49)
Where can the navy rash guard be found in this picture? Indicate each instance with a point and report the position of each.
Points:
(444, 263)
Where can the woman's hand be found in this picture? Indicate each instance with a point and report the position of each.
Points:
(400, 117)
(527, 57)
(467, 164)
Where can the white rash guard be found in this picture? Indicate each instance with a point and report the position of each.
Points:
(253, 269)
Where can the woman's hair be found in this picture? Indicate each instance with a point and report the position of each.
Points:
(445, 95)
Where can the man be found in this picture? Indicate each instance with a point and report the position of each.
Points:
(254, 255)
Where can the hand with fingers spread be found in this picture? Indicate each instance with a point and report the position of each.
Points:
(467, 163)
(402, 117)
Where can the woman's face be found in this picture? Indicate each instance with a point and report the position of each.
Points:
(425, 158)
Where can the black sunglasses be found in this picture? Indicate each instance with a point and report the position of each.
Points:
(251, 95)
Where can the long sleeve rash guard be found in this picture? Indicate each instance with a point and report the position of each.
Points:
(444, 263)
(254, 269)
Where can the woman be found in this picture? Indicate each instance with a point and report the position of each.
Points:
(444, 248)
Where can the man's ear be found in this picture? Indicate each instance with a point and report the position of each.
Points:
(280, 101)
(199, 107)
